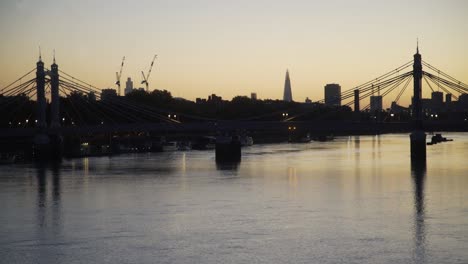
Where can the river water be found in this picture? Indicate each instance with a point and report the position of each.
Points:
(353, 200)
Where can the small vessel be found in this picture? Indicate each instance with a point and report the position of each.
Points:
(7, 158)
(300, 139)
(246, 141)
(170, 146)
(184, 145)
(437, 138)
(323, 138)
(204, 143)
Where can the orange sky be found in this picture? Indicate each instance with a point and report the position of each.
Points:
(234, 47)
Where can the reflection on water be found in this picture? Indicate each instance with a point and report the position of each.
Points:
(352, 200)
(418, 169)
(227, 166)
(48, 198)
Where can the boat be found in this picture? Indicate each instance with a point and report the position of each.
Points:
(300, 139)
(7, 158)
(204, 143)
(184, 145)
(246, 141)
(323, 138)
(437, 138)
(170, 146)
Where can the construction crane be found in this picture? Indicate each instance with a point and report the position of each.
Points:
(146, 78)
(118, 75)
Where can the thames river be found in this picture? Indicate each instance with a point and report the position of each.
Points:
(356, 199)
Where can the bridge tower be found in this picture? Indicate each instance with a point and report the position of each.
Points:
(55, 98)
(41, 100)
(417, 89)
(417, 137)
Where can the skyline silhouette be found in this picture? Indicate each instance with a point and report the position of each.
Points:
(237, 48)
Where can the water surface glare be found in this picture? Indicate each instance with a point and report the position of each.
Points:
(353, 200)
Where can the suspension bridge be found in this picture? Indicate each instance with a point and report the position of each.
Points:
(54, 104)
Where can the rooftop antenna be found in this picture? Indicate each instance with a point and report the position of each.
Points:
(40, 57)
(54, 56)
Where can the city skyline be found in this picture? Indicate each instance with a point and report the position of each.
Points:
(234, 48)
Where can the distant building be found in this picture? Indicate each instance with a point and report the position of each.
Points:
(333, 94)
(448, 98)
(200, 101)
(108, 94)
(395, 108)
(426, 105)
(128, 86)
(92, 97)
(437, 101)
(308, 101)
(376, 103)
(462, 103)
(287, 95)
(215, 99)
(253, 96)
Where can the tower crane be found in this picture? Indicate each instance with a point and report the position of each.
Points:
(118, 75)
(146, 78)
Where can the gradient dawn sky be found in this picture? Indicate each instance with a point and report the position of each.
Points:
(233, 47)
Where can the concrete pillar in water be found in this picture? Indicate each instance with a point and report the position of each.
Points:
(228, 149)
(418, 145)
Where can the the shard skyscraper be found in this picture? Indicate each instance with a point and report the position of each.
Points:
(287, 96)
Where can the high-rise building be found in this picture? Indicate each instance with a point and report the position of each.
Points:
(253, 96)
(128, 86)
(376, 103)
(287, 95)
(437, 98)
(333, 94)
(108, 94)
(448, 98)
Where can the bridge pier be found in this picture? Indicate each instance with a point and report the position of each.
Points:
(228, 149)
(418, 146)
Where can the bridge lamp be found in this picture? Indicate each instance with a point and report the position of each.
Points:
(19, 123)
(175, 116)
(35, 121)
(27, 121)
(63, 119)
(169, 116)
(102, 122)
(436, 115)
(392, 115)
